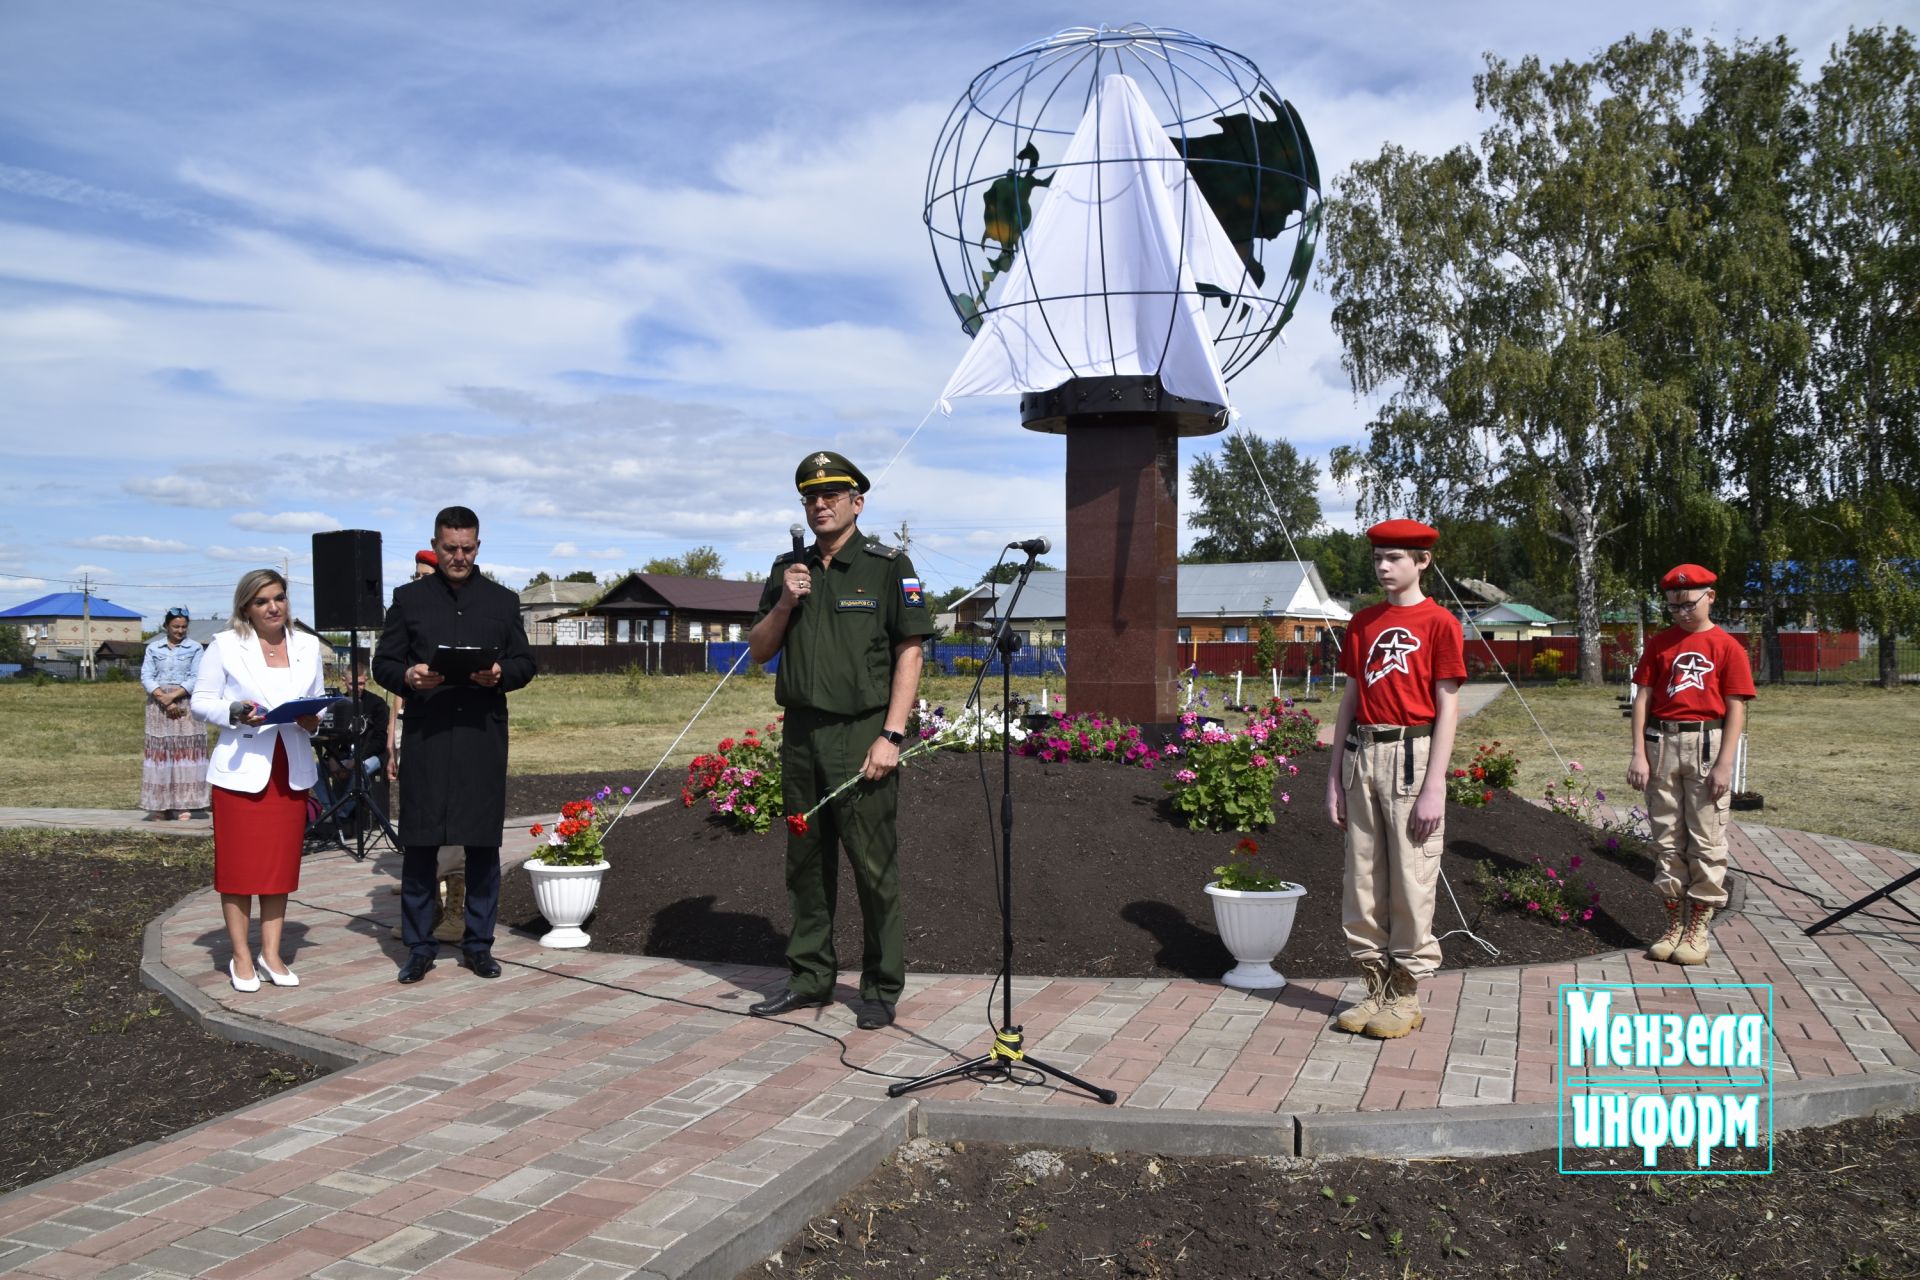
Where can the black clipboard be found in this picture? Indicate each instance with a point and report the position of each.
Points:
(458, 662)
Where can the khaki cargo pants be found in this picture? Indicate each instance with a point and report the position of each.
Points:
(1689, 826)
(1388, 892)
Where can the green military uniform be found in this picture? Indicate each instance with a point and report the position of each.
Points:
(835, 678)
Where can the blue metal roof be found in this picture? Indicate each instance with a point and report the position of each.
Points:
(67, 604)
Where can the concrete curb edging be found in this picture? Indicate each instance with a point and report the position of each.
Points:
(217, 1020)
(1519, 1129)
(754, 1229)
(1165, 1133)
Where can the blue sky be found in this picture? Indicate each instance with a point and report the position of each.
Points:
(603, 272)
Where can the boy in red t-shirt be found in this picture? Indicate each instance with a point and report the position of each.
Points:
(1694, 684)
(1387, 780)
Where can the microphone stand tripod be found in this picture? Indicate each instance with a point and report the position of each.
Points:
(358, 796)
(1008, 1052)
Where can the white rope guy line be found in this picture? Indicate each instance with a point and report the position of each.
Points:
(676, 742)
(909, 440)
(1501, 667)
(1253, 456)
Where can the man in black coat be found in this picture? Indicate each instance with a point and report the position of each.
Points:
(453, 777)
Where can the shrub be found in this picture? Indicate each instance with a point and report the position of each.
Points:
(1089, 736)
(1493, 768)
(1543, 891)
(575, 840)
(1226, 778)
(1546, 663)
(740, 780)
(965, 666)
(1293, 732)
(1239, 873)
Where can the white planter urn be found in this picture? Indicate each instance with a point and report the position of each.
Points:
(1255, 926)
(565, 896)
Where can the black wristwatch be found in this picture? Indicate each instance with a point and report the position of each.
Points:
(895, 738)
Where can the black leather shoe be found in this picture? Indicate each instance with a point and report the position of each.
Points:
(483, 965)
(785, 1002)
(874, 1014)
(415, 968)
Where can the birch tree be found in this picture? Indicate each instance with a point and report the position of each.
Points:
(1482, 295)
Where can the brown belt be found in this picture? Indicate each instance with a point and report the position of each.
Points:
(1688, 726)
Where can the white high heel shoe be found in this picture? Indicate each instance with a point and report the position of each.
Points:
(240, 983)
(287, 979)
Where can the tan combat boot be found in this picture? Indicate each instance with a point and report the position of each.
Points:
(1695, 942)
(1401, 1012)
(1676, 925)
(452, 925)
(1355, 1019)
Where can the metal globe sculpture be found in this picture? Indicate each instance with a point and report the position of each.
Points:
(1136, 134)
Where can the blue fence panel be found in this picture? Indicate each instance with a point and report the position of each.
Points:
(722, 654)
(1027, 661)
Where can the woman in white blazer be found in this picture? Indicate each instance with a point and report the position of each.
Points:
(260, 773)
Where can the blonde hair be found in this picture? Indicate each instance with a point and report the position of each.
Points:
(250, 584)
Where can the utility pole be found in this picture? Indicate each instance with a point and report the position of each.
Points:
(86, 624)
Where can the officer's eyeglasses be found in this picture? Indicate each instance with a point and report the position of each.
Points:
(832, 497)
(1682, 606)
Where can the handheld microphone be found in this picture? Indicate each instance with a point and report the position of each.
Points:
(799, 533)
(1032, 546)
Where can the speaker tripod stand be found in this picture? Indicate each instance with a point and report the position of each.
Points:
(358, 802)
(1008, 1053)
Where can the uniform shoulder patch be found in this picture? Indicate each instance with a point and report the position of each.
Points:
(882, 550)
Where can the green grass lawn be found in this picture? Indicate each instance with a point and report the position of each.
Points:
(77, 745)
(1837, 758)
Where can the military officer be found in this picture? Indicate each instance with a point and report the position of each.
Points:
(848, 616)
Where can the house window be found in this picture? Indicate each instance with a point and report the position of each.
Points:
(1299, 634)
(1236, 635)
(1183, 635)
(733, 631)
(623, 630)
(693, 632)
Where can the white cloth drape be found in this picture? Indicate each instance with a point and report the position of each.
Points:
(1105, 278)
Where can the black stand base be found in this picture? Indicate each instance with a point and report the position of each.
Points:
(997, 1066)
(1868, 901)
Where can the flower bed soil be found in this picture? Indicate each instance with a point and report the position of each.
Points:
(1104, 884)
(94, 1062)
(1841, 1201)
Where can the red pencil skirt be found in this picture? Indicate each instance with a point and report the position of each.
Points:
(257, 835)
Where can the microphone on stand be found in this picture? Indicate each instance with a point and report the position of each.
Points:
(1032, 546)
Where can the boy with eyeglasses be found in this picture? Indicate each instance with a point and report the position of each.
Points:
(1694, 682)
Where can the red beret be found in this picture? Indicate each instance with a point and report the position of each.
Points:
(1682, 576)
(426, 557)
(1410, 534)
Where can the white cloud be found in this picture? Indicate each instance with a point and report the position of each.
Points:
(186, 491)
(131, 542)
(570, 550)
(255, 555)
(287, 522)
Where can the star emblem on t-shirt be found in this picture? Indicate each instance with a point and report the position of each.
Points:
(1690, 671)
(1391, 649)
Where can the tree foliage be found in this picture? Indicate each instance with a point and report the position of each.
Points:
(1485, 293)
(700, 562)
(1863, 222)
(1249, 497)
